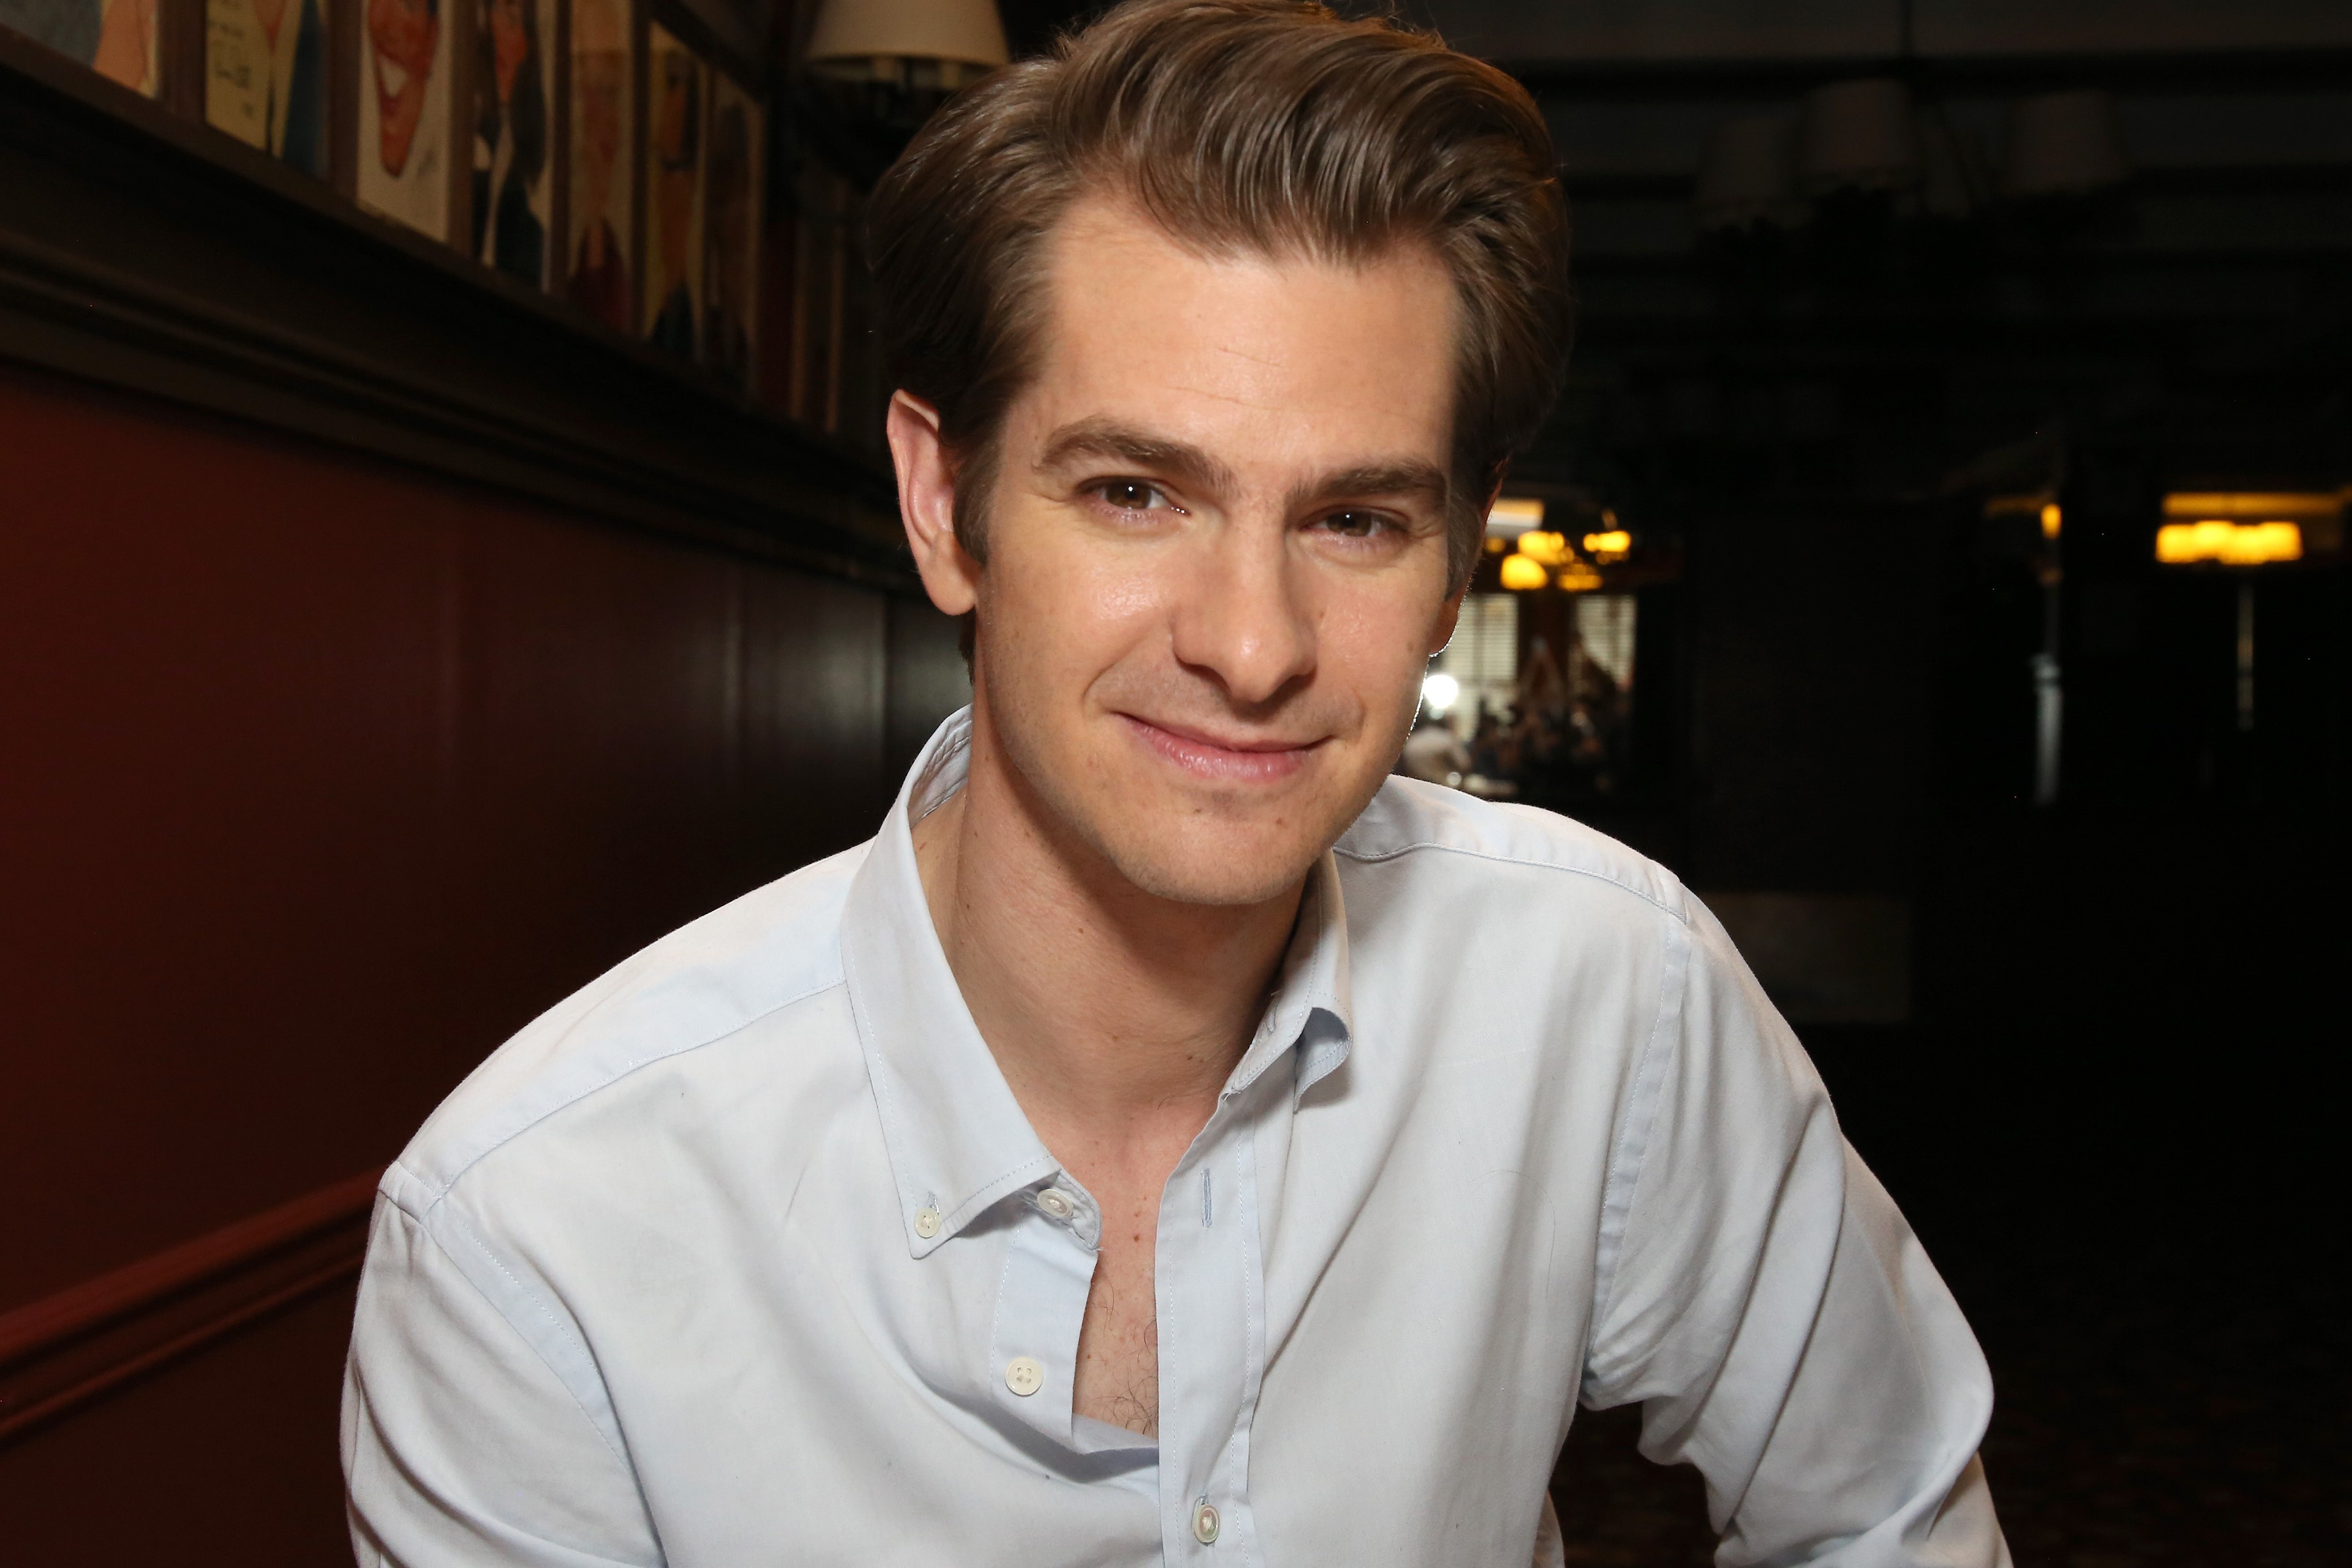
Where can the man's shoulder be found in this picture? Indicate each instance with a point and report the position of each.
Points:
(749, 960)
(1448, 833)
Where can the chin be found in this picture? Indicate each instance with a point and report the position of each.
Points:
(1179, 846)
(1224, 869)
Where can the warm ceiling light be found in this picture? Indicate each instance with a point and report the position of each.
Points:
(1522, 572)
(1575, 577)
(1615, 544)
(2229, 543)
(2052, 519)
(1546, 549)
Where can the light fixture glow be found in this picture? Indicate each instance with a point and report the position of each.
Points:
(1440, 691)
(1521, 572)
(2229, 543)
(1577, 577)
(1615, 544)
(2052, 519)
(1546, 549)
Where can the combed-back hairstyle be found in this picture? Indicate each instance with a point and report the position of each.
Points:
(1270, 126)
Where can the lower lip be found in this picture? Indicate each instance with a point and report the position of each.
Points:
(1222, 764)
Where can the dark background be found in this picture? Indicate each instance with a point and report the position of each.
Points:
(342, 740)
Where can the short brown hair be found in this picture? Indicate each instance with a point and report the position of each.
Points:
(1268, 125)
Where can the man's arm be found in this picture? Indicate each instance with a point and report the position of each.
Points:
(1764, 1301)
(461, 1445)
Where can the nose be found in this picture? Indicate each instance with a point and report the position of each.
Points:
(1245, 621)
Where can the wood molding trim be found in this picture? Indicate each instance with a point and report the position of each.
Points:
(64, 1351)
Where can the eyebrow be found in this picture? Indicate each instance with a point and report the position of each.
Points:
(1104, 438)
(1099, 437)
(1424, 481)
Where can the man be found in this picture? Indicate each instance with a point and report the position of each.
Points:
(1171, 1139)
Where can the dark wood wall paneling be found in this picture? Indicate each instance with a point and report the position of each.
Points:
(383, 653)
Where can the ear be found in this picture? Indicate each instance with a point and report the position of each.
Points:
(927, 505)
(1448, 614)
(1451, 612)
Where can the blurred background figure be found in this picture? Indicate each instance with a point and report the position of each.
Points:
(1432, 753)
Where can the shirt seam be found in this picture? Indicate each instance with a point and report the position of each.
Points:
(1629, 1158)
(1364, 857)
(539, 1304)
(624, 1071)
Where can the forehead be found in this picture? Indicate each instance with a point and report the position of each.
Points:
(1262, 359)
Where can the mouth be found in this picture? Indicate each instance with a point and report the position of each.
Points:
(1225, 760)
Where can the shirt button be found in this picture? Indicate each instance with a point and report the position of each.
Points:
(927, 1223)
(1204, 1523)
(1024, 1376)
(1057, 1202)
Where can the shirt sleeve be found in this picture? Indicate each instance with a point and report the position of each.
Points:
(1764, 1301)
(460, 1445)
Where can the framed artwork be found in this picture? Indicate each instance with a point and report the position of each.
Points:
(678, 89)
(404, 112)
(265, 74)
(603, 196)
(514, 136)
(734, 181)
(117, 38)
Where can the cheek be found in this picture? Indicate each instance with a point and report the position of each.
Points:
(1378, 641)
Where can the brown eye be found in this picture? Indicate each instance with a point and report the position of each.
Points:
(1126, 494)
(1354, 525)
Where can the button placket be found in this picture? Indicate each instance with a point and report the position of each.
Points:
(1041, 1306)
(1212, 1332)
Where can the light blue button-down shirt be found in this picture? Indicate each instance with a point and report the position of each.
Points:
(729, 1258)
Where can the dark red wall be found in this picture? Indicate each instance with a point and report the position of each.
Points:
(321, 776)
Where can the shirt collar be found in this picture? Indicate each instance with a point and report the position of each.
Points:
(957, 1138)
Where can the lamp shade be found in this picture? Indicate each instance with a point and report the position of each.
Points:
(2063, 144)
(1859, 135)
(967, 32)
(1748, 177)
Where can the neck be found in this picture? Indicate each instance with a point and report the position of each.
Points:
(1115, 1015)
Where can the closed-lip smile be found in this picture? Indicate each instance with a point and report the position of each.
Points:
(1229, 759)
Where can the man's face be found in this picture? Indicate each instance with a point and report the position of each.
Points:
(1217, 555)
